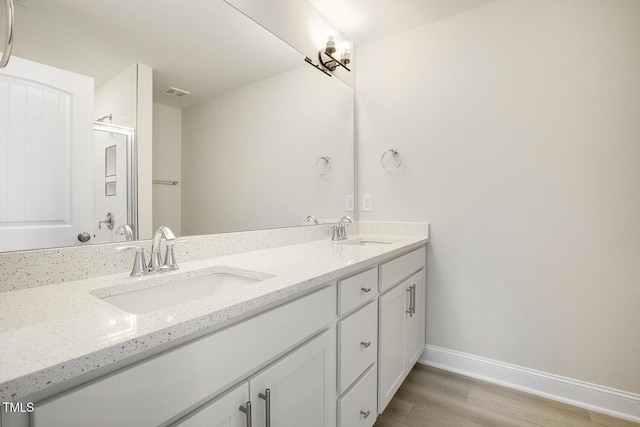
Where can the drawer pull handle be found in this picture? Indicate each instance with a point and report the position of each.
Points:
(365, 344)
(365, 414)
(413, 301)
(267, 398)
(247, 410)
(365, 290)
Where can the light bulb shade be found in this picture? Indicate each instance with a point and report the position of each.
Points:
(345, 52)
(330, 47)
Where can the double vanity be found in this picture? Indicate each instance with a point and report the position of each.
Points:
(318, 333)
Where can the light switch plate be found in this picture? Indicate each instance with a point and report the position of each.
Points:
(367, 202)
(349, 203)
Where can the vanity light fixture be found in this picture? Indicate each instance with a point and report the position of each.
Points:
(330, 57)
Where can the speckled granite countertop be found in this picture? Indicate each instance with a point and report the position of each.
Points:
(51, 334)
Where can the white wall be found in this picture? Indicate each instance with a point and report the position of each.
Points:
(249, 156)
(128, 97)
(519, 125)
(118, 98)
(167, 147)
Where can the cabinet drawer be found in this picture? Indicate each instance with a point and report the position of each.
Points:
(157, 389)
(357, 408)
(357, 290)
(395, 270)
(357, 344)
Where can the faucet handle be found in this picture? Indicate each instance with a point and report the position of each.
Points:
(139, 264)
(170, 256)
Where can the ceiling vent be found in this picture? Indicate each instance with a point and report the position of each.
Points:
(175, 92)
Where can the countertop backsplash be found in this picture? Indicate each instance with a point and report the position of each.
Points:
(29, 269)
(41, 267)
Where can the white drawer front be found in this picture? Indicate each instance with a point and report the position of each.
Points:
(156, 389)
(357, 408)
(357, 290)
(395, 270)
(357, 344)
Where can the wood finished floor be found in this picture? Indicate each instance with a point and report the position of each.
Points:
(433, 397)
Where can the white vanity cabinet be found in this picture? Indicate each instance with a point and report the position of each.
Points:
(158, 389)
(402, 324)
(294, 391)
(333, 357)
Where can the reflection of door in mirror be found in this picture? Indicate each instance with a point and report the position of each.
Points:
(45, 186)
(113, 187)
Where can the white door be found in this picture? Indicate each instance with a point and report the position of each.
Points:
(111, 182)
(301, 388)
(224, 411)
(46, 160)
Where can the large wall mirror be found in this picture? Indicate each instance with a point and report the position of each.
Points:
(245, 134)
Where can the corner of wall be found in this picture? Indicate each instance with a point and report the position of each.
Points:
(144, 140)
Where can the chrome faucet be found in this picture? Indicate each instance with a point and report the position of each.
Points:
(126, 231)
(155, 264)
(310, 218)
(340, 231)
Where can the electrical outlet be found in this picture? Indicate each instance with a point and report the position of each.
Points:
(349, 202)
(367, 202)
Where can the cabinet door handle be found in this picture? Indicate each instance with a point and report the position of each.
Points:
(413, 299)
(365, 290)
(365, 414)
(365, 344)
(410, 311)
(247, 410)
(267, 398)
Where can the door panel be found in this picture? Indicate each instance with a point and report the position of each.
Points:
(302, 387)
(415, 324)
(391, 356)
(45, 178)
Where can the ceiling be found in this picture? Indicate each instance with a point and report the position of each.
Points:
(369, 20)
(203, 47)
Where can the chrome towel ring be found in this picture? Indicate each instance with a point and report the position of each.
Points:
(395, 154)
(326, 160)
(8, 43)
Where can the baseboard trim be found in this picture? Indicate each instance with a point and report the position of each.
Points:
(598, 398)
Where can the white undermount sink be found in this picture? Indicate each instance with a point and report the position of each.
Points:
(366, 242)
(156, 297)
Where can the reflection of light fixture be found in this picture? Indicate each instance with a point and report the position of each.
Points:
(326, 55)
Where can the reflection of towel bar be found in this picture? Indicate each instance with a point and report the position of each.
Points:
(162, 182)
